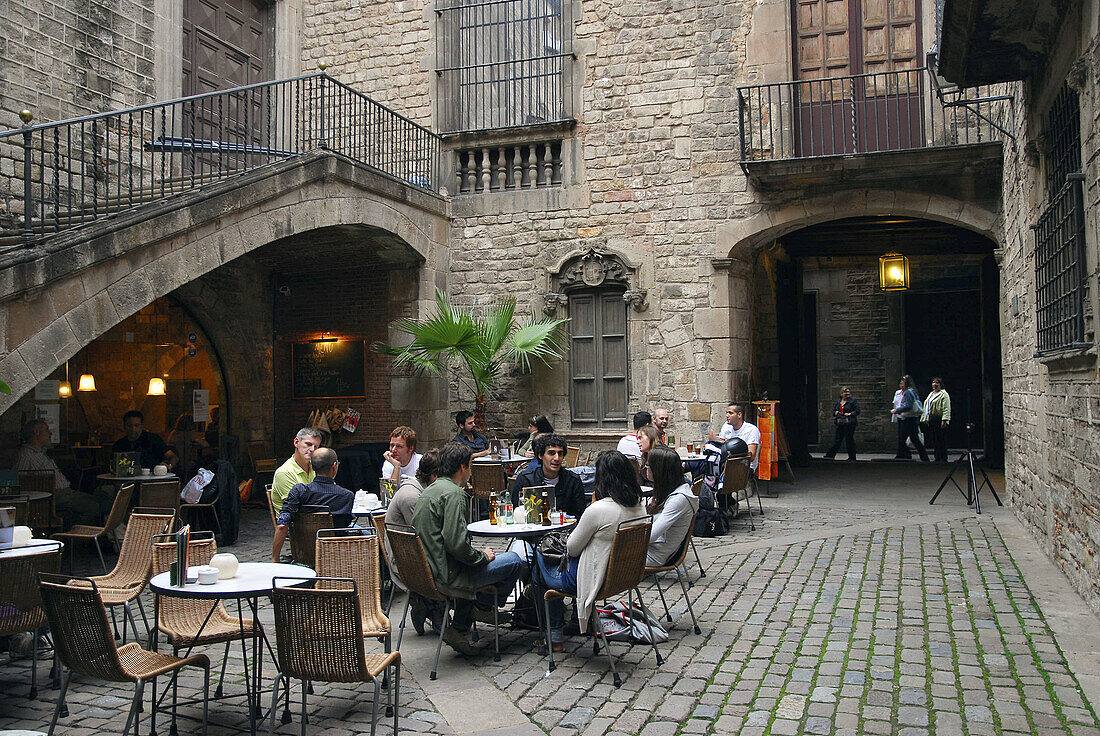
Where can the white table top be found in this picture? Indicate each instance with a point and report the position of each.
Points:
(364, 511)
(33, 547)
(136, 478)
(26, 496)
(485, 529)
(512, 459)
(691, 456)
(252, 578)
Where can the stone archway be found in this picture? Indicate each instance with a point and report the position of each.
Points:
(80, 284)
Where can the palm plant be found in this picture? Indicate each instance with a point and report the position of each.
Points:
(483, 344)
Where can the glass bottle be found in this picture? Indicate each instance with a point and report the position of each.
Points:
(545, 509)
(493, 508)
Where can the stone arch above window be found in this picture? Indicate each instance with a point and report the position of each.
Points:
(594, 269)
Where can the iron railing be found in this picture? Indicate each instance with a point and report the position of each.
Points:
(866, 113)
(1060, 268)
(82, 170)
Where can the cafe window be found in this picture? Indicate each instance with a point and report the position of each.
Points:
(503, 63)
(598, 352)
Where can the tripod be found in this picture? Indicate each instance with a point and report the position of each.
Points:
(973, 488)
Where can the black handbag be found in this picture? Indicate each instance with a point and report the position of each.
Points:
(553, 548)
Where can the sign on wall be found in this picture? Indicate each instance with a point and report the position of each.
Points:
(328, 370)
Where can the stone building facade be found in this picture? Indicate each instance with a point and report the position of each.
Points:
(705, 246)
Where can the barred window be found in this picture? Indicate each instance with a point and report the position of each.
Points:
(1060, 233)
(503, 63)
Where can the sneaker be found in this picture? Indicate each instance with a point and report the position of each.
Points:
(458, 641)
(485, 616)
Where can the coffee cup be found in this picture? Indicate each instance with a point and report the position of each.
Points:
(146, 471)
(208, 574)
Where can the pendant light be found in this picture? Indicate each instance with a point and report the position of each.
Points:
(156, 383)
(65, 389)
(87, 382)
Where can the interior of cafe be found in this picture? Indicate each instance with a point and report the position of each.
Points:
(158, 361)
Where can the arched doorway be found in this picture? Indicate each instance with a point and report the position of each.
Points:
(834, 326)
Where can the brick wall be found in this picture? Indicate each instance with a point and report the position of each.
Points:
(65, 59)
(358, 302)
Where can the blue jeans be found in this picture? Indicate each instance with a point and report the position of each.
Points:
(551, 577)
(504, 572)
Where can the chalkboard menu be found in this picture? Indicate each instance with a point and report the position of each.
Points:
(327, 370)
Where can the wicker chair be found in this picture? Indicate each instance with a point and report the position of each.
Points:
(412, 566)
(319, 635)
(128, 579)
(304, 526)
(82, 639)
(485, 478)
(737, 484)
(572, 455)
(20, 604)
(182, 619)
(271, 507)
(160, 494)
(188, 511)
(625, 570)
(353, 554)
(115, 517)
(39, 518)
(674, 565)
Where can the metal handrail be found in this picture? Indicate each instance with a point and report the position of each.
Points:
(83, 169)
(870, 112)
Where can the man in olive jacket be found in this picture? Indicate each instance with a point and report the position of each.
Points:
(440, 520)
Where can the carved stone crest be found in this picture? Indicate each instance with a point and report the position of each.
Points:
(592, 269)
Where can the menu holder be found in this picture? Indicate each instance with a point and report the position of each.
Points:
(532, 500)
(388, 488)
(177, 571)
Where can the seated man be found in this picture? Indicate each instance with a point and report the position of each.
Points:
(469, 436)
(661, 420)
(297, 468)
(628, 445)
(321, 491)
(736, 426)
(569, 492)
(440, 520)
(74, 506)
(402, 459)
(151, 446)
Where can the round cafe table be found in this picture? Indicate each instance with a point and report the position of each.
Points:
(32, 548)
(253, 579)
(120, 480)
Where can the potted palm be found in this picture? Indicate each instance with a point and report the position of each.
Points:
(483, 345)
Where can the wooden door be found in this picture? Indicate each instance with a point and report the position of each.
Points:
(225, 45)
(850, 38)
(598, 357)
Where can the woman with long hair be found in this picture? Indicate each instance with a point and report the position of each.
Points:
(537, 426)
(617, 498)
(907, 411)
(673, 505)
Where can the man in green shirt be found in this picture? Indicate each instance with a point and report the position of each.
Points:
(296, 469)
(440, 520)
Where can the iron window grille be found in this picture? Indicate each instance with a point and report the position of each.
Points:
(1060, 268)
(503, 63)
(1064, 132)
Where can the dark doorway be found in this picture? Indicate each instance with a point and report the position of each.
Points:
(809, 358)
(943, 338)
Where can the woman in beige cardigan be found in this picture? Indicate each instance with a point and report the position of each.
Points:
(617, 499)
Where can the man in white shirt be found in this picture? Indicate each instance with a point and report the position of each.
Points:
(402, 457)
(736, 426)
(628, 445)
(74, 506)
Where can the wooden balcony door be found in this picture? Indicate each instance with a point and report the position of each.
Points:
(226, 44)
(837, 111)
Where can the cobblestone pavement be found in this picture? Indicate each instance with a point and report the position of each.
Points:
(853, 608)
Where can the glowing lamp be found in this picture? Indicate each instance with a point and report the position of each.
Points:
(65, 389)
(86, 383)
(156, 386)
(893, 272)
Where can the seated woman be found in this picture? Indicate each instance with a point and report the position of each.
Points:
(617, 499)
(538, 425)
(648, 438)
(673, 506)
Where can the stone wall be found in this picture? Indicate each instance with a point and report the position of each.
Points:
(1052, 405)
(66, 59)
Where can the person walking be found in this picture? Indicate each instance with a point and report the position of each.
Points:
(936, 418)
(845, 411)
(907, 412)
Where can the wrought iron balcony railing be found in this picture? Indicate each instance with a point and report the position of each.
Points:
(78, 171)
(866, 113)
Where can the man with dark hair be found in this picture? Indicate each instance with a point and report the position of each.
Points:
(736, 426)
(297, 468)
(151, 446)
(569, 492)
(321, 491)
(469, 436)
(628, 445)
(440, 520)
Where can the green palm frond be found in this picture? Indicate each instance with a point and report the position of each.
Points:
(4, 388)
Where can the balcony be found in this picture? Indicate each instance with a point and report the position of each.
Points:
(879, 129)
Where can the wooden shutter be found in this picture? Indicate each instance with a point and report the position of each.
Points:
(598, 357)
(890, 41)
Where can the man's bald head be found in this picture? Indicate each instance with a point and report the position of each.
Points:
(323, 461)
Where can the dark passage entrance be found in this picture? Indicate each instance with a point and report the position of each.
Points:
(836, 327)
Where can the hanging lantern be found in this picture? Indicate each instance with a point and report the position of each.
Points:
(893, 272)
(65, 389)
(86, 383)
(156, 386)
